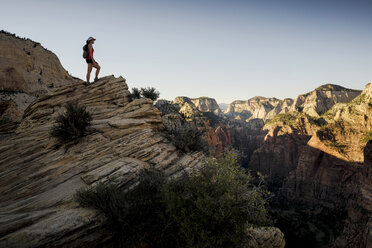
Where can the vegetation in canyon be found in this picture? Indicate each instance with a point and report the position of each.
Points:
(212, 207)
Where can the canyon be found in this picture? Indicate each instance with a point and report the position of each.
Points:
(314, 151)
(39, 176)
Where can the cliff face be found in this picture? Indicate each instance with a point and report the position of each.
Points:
(313, 103)
(203, 104)
(323, 98)
(182, 112)
(257, 107)
(38, 180)
(316, 164)
(219, 132)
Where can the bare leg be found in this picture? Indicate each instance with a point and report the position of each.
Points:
(90, 66)
(97, 71)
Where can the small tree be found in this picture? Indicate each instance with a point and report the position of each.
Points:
(136, 93)
(72, 125)
(210, 208)
(188, 138)
(150, 92)
(137, 217)
(214, 206)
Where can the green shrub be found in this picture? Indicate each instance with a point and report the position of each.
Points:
(287, 118)
(137, 217)
(72, 125)
(316, 121)
(214, 120)
(5, 120)
(135, 94)
(188, 138)
(214, 206)
(150, 92)
(147, 92)
(327, 135)
(210, 208)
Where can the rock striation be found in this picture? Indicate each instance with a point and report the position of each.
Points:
(39, 179)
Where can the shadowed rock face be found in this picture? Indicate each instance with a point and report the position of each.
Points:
(38, 180)
(318, 166)
(358, 225)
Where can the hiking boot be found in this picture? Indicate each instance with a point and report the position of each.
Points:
(96, 79)
(86, 83)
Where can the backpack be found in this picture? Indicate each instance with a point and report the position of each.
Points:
(85, 51)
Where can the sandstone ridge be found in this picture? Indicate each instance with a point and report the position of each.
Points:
(318, 165)
(313, 103)
(38, 180)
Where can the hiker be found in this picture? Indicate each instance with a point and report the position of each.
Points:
(90, 60)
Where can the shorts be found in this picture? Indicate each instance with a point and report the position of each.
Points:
(89, 61)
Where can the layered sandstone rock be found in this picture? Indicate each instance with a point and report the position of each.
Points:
(27, 70)
(39, 179)
(206, 104)
(316, 164)
(202, 104)
(25, 66)
(256, 107)
(323, 98)
(313, 103)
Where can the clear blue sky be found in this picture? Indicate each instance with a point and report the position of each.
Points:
(227, 50)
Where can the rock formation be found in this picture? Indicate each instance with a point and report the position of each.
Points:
(27, 70)
(38, 180)
(38, 177)
(358, 225)
(323, 98)
(265, 238)
(316, 164)
(256, 107)
(203, 104)
(313, 103)
(25, 66)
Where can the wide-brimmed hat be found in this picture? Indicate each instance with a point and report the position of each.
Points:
(90, 38)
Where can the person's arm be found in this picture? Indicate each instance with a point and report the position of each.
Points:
(91, 54)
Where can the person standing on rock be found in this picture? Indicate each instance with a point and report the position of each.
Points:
(91, 61)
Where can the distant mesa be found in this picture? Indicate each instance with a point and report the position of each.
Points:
(313, 103)
(203, 104)
(333, 87)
